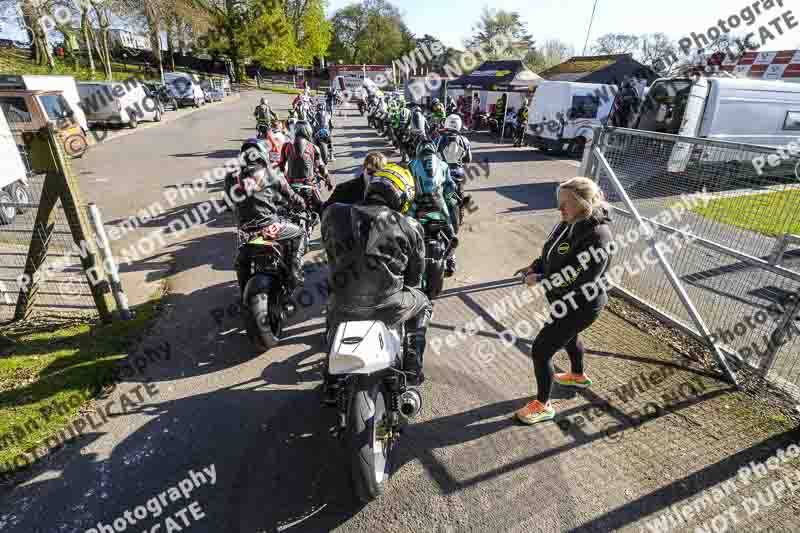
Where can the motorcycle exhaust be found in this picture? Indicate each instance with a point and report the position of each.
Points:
(410, 403)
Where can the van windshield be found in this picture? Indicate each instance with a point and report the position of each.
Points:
(56, 107)
(665, 106)
(15, 109)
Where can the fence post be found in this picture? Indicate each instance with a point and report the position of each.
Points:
(48, 155)
(671, 275)
(108, 262)
(792, 308)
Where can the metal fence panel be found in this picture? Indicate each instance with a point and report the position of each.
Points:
(65, 291)
(739, 218)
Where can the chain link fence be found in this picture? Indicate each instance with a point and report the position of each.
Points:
(740, 267)
(63, 290)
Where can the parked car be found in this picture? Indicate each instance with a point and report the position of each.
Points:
(15, 194)
(185, 88)
(118, 103)
(168, 102)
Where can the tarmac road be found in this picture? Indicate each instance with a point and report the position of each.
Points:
(461, 466)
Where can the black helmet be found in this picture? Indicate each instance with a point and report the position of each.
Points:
(303, 129)
(254, 151)
(425, 148)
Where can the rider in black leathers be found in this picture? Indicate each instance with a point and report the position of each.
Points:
(301, 160)
(376, 256)
(260, 193)
(456, 150)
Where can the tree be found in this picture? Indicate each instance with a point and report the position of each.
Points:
(370, 32)
(496, 23)
(316, 32)
(550, 54)
(617, 43)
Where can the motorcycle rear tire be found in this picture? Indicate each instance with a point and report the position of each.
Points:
(261, 326)
(361, 439)
(434, 276)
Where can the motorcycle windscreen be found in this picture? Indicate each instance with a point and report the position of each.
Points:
(363, 347)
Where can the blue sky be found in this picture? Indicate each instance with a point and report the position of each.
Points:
(568, 20)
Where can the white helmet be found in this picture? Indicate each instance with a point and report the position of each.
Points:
(264, 101)
(453, 122)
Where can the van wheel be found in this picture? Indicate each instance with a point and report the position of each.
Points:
(21, 195)
(133, 123)
(8, 212)
(578, 147)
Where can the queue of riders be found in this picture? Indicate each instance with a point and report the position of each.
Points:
(374, 245)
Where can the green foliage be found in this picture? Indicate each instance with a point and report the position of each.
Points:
(371, 32)
(495, 23)
(317, 32)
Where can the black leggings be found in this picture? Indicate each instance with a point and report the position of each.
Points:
(561, 333)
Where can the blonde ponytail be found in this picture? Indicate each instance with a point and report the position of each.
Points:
(586, 192)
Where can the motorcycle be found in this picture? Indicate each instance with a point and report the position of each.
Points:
(321, 139)
(372, 398)
(437, 248)
(262, 128)
(267, 297)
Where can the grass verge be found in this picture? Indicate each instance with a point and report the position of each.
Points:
(284, 90)
(63, 362)
(773, 213)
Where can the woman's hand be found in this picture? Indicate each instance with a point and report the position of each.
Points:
(532, 279)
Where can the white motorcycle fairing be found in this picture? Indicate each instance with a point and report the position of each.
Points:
(364, 347)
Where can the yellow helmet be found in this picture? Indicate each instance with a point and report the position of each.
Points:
(395, 185)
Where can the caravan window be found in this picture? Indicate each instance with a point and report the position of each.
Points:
(56, 107)
(792, 121)
(584, 107)
(15, 109)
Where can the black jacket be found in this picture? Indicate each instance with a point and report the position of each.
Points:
(348, 192)
(274, 198)
(567, 262)
(373, 252)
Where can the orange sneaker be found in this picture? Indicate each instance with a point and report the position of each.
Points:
(534, 412)
(568, 379)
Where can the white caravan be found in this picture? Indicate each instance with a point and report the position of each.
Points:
(13, 176)
(759, 112)
(562, 114)
(67, 86)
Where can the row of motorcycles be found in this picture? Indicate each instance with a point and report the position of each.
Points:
(372, 398)
(386, 120)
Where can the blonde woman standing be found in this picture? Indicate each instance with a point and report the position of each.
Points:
(571, 268)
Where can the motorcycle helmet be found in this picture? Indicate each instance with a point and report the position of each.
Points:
(453, 122)
(253, 152)
(426, 147)
(303, 129)
(264, 101)
(394, 185)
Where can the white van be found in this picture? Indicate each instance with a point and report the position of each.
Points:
(186, 88)
(562, 114)
(119, 103)
(14, 187)
(747, 111)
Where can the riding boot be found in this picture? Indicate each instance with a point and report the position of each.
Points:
(413, 361)
(298, 277)
(242, 267)
(450, 265)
